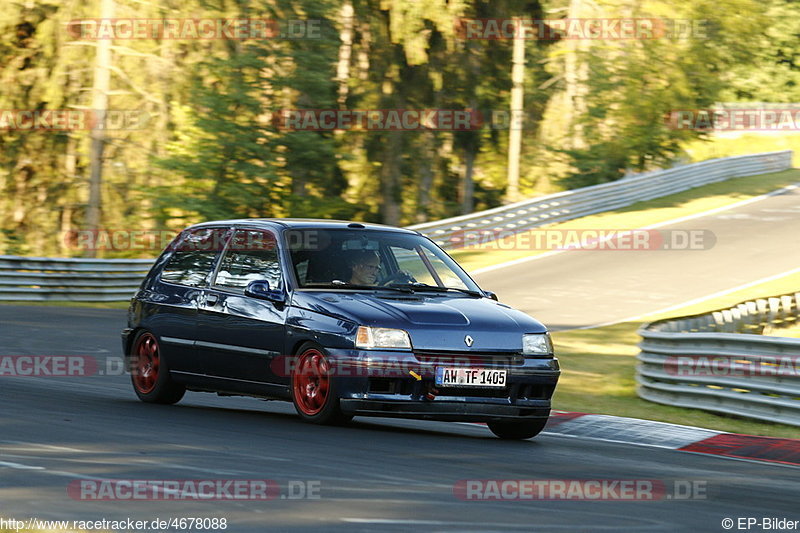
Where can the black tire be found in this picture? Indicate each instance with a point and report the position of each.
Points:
(518, 429)
(314, 390)
(149, 372)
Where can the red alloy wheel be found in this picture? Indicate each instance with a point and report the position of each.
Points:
(311, 382)
(146, 363)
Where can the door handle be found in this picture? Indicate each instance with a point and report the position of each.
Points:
(211, 299)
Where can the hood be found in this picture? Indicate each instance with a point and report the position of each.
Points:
(434, 321)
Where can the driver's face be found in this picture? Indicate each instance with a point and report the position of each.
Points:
(366, 273)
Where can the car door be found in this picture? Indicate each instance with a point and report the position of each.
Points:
(172, 302)
(239, 336)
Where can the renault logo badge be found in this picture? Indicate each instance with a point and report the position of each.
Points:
(468, 341)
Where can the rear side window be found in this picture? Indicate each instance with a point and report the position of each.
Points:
(194, 256)
(251, 256)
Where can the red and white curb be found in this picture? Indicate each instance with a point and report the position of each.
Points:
(674, 437)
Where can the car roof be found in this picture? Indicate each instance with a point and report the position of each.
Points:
(302, 223)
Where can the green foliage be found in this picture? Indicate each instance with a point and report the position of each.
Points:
(632, 86)
(226, 166)
(594, 109)
(771, 73)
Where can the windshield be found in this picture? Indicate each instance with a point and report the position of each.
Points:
(353, 259)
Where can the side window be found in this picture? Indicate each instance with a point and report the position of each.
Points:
(194, 256)
(252, 255)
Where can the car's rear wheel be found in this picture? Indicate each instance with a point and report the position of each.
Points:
(517, 429)
(314, 388)
(149, 372)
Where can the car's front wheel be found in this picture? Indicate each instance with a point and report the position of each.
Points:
(149, 372)
(517, 429)
(314, 390)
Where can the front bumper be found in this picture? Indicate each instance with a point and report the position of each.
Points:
(407, 389)
(126, 340)
(448, 411)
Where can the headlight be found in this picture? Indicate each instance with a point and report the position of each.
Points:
(537, 344)
(368, 338)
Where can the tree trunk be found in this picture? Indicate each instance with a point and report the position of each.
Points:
(390, 179)
(345, 52)
(474, 137)
(426, 166)
(23, 176)
(576, 73)
(102, 76)
(468, 186)
(70, 172)
(515, 124)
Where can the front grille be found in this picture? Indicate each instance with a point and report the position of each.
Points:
(477, 392)
(382, 385)
(402, 386)
(441, 357)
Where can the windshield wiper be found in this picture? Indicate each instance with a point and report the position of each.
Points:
(336, 284)
(434, 288)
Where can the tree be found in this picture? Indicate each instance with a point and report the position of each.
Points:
(632, 85)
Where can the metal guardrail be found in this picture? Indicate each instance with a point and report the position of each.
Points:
(54, 279)
(536, 212)
(75, 280)
(722, 362)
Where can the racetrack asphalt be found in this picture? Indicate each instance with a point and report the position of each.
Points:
(375, 475)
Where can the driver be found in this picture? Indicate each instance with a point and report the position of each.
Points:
(365, 266)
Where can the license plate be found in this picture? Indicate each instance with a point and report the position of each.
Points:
(470, 377)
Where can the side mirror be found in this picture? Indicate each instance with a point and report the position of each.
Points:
(490, 294)
(260, 289)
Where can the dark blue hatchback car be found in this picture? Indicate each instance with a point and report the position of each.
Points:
(342, 319)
